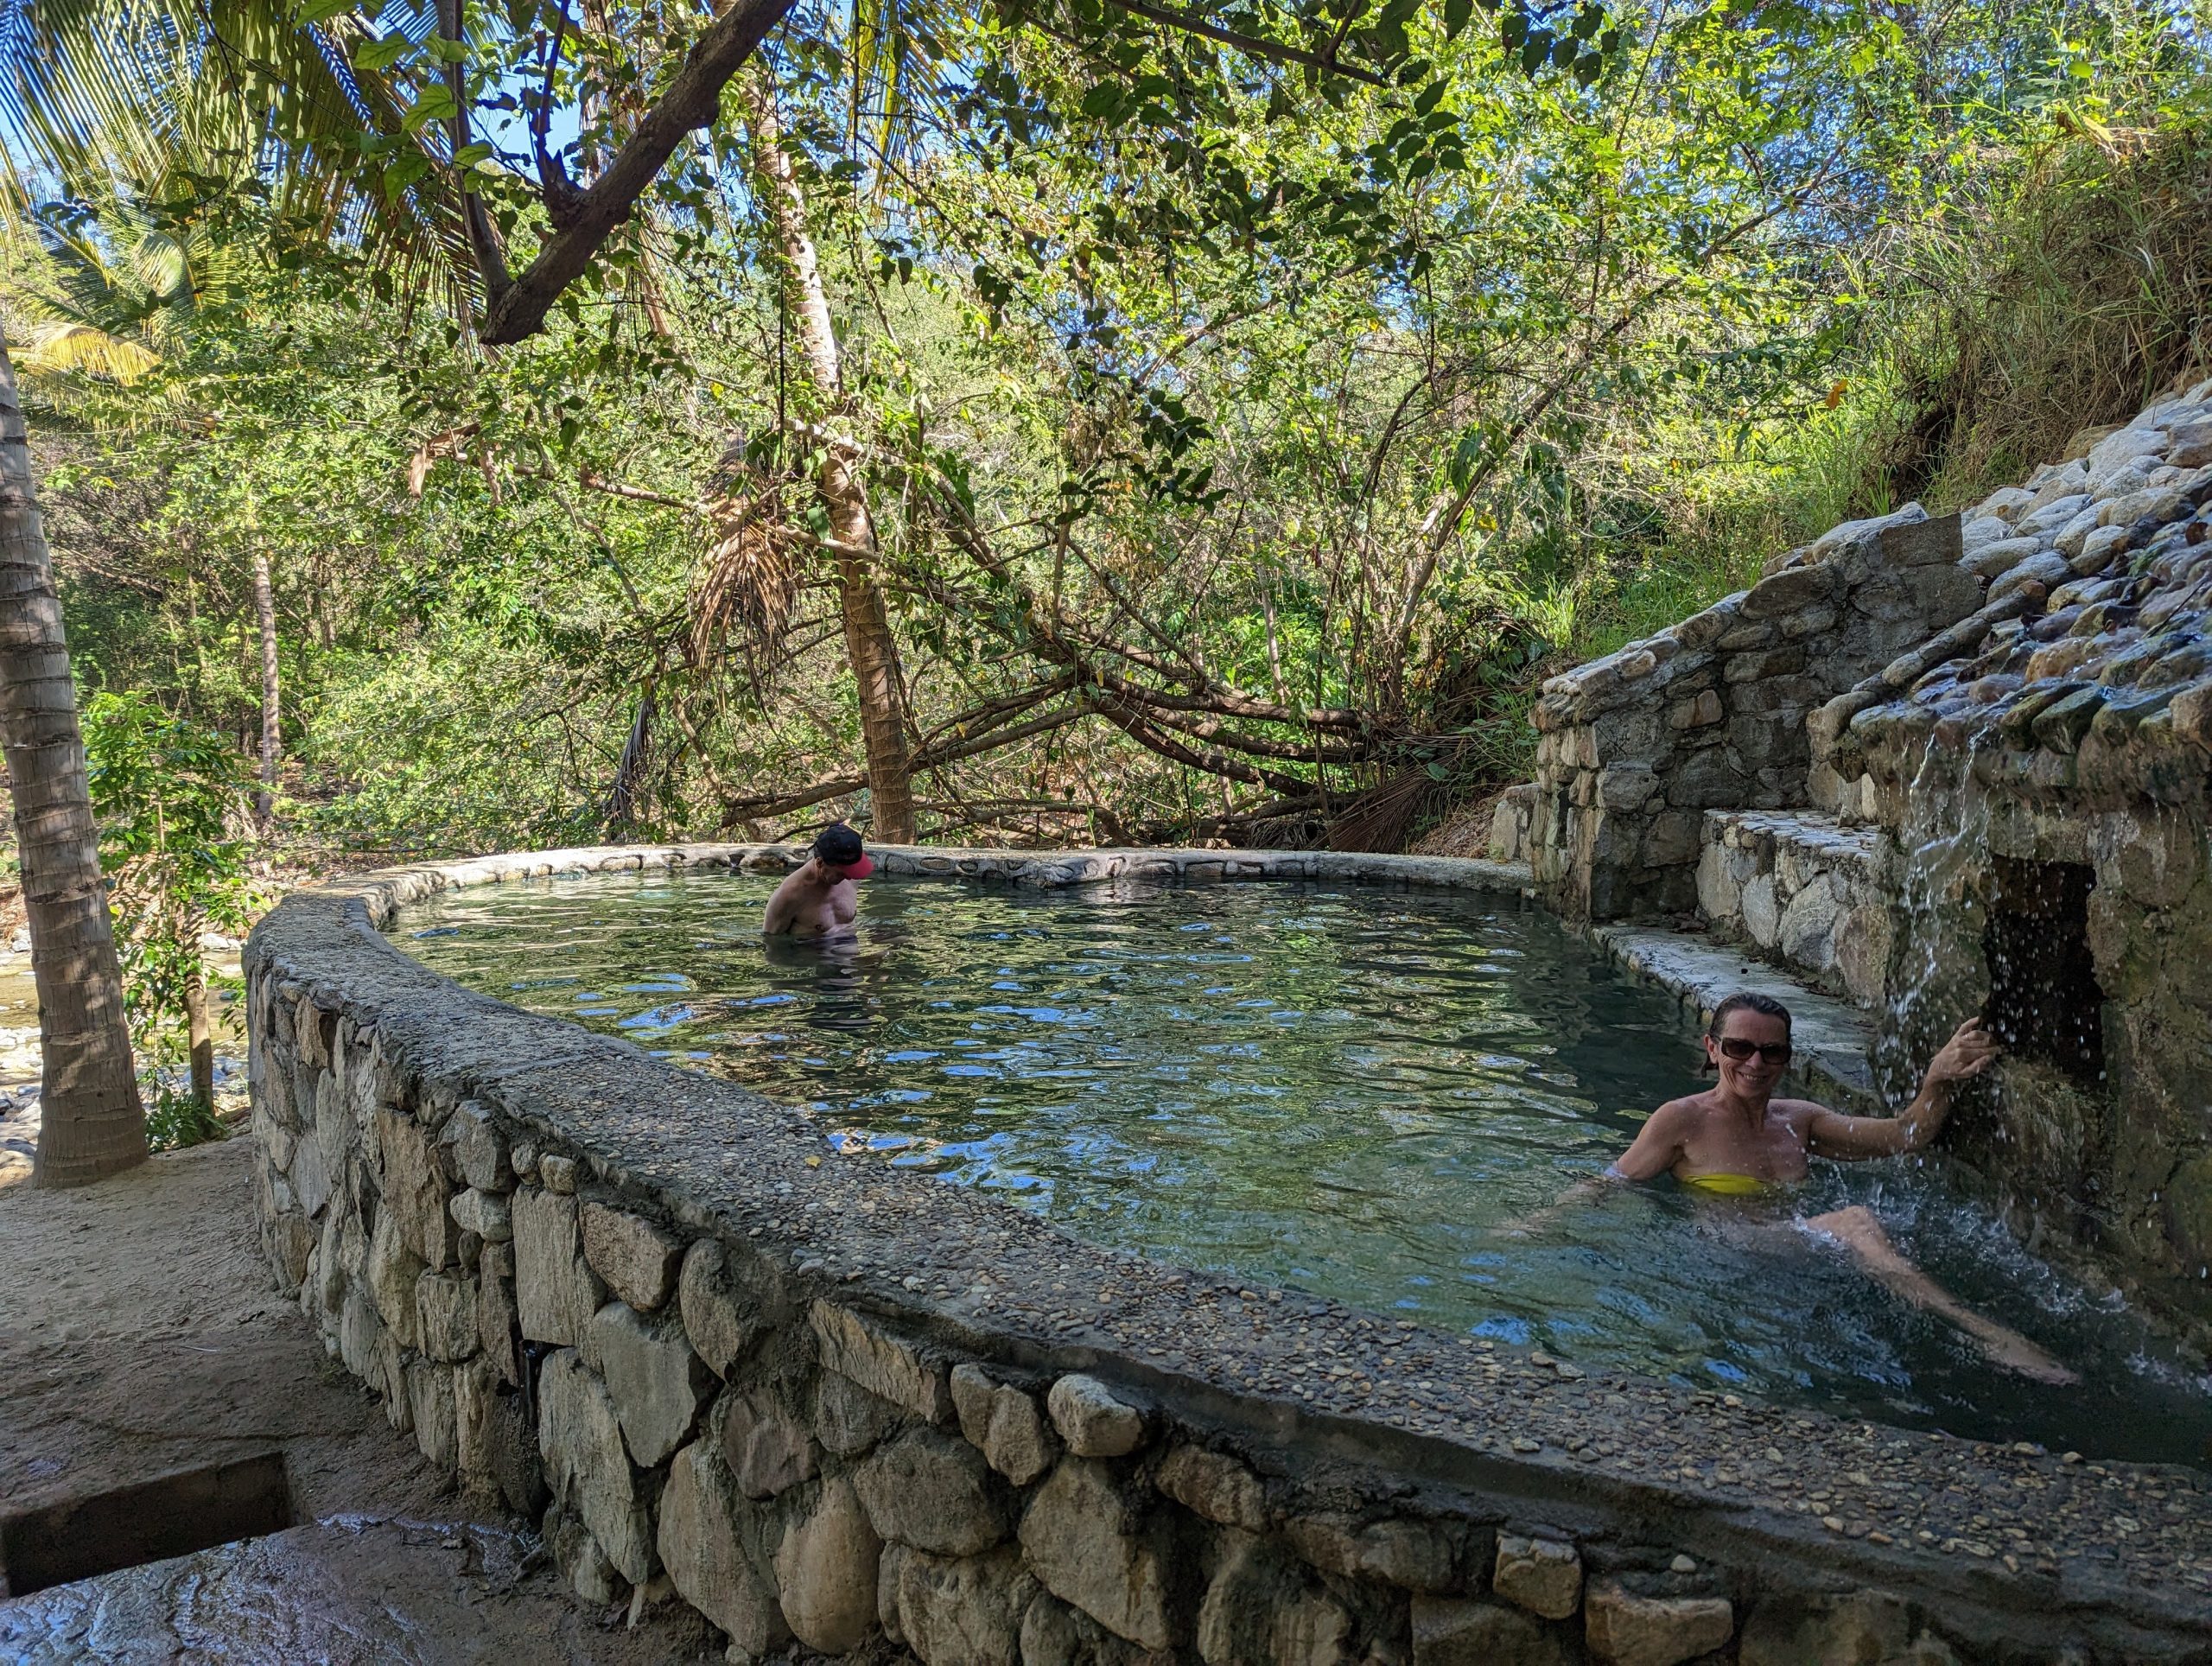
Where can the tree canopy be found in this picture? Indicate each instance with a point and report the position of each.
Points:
(1245, 404)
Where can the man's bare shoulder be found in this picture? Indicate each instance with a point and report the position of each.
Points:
(783, 908)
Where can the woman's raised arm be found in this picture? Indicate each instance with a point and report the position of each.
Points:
(1970, 1051)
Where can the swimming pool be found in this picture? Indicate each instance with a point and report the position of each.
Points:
(1329, 1088)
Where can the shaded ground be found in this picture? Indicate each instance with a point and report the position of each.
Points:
(138, 1336)
(1464, 832)
(350, 1591)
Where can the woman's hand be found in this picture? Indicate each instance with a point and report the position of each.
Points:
(1967, 1053)
(1970, 1051)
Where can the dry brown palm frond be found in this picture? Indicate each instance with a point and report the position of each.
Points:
(1379, 818)
(749, 580)
(454, 443)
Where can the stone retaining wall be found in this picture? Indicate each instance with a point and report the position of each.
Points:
(832, 1404)
(2065, 729)
(1802, 891)
(2117, 1152)
(1710, 713)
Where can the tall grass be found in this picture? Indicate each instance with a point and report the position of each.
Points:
(2064, 287)
(2075, 295)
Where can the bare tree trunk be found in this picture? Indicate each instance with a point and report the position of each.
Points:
(264, 601)
(621, 809)
(869, 644)
(92, 1124)
(202, 1038)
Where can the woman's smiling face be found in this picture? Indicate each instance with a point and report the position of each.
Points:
(1763, 1040)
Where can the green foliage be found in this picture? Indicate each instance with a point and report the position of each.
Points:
(1243, 440)
(176, 1118)
(411, 749)
(170, 798)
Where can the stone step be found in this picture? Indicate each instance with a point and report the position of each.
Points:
(1798, 889)
(1834, 1040)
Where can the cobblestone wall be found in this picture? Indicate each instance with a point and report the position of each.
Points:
(1803, 890)
(832, 1406)
(1710, 713)
(2068, 725)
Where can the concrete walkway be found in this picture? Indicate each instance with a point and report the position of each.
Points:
(140, 1339)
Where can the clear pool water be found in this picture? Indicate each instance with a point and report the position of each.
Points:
(1337, 1089)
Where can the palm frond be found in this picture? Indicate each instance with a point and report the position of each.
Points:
(169, 95)
(891, 60)
(84, 349)
(749, 582)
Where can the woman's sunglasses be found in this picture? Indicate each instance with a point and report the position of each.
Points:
(1735, 1047)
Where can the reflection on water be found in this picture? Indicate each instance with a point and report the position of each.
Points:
(1333, 1089)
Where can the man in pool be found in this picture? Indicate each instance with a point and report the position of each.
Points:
(1737, 1139)
(818, 898)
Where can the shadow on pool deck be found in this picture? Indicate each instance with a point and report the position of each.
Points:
(139, 1341)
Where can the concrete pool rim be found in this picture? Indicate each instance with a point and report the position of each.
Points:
(1344, 1415)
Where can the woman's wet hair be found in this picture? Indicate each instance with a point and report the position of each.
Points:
(1766, 1005)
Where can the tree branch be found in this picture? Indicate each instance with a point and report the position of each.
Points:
(1211, 728)
(1273, 50)
(950, 750)
(1130, 723)
(690, 102)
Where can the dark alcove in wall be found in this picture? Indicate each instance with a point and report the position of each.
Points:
(2044, 1002)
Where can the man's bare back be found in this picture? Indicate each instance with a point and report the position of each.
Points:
(818, 898)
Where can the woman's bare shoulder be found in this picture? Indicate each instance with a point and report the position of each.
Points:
(1798, 1112)
(1687, 1109)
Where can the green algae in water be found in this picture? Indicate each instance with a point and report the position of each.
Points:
(1340, 1090)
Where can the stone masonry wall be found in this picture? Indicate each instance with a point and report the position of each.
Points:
(2118, 787)
(2120, 1157)
(2070, 723)
(2091, 560)
(837, 1406)
(1802, 890)
(1710, 713)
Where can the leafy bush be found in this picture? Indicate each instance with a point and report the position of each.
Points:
(171, 797)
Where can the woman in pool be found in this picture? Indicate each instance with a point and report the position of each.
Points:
(1736, 1139)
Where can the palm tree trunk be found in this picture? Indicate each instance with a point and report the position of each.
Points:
(869, 644)
(264, 601)
(93, 1124)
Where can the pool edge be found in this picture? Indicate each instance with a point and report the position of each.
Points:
(363, 1055)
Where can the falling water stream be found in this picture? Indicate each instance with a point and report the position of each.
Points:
(1349, 1091)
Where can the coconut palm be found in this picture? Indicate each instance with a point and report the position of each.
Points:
(361, 123)
(101, 308)
(92, 1124)
(109, 294)
(110, 98)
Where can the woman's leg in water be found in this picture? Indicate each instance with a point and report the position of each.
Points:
(1858, 1230)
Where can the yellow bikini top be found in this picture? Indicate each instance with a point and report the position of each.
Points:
(1733, 1186)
